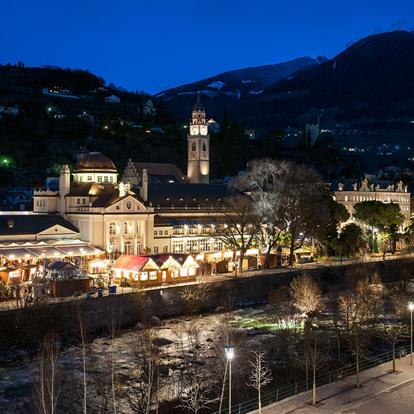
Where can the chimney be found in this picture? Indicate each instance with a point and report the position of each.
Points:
(121, 188)
(144, 185)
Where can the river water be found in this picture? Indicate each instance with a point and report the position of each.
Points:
(253, 325)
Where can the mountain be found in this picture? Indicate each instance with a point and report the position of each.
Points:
(225, 90)
(368, 83)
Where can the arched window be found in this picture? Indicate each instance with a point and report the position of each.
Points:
(193, 147)
(125, 228)
(112, 229)
(204, 147)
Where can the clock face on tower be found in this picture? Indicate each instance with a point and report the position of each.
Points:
(203, 130)
(194, 130)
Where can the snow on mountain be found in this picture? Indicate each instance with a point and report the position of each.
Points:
(216, 85)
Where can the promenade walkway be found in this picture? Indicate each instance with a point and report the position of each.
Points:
(382, 392)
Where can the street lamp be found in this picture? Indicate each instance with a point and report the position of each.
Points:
(411, 309)
(230, 355)
(81, 258)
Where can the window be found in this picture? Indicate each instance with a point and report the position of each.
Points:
(193, 147)
(218, 245)
(192, 229)
(155, 233)
(78, 201)
(112, 229)
(111, 179)
(99, 178)
(166, 232)
(125, 228)
(192, 246)
(83, 201)
(89, 178)
(156, 251)
(153, 275)
(165, 249)
(144, 276)
(205, 246)
(127, 248)
(178, 229)
(204, 147)
(138, 247)
(105, 179)
(178, 247)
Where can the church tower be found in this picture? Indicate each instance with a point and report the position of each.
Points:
(198, 170)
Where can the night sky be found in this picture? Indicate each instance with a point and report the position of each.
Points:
(153, 44)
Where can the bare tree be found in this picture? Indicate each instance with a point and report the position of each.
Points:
(238, 226)
(82, 333)
(141, 381)
(303, 205)
(197, 394)
(260, 375)
(307, 298)
(195, 297)
(359, 309)
(394, 331)
(306, 294)
(317, 356)
(263, 181)
(47, 386)
(113, 329)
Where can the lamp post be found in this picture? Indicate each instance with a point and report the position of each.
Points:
(230, 355)
(81, 258)
(411, 309)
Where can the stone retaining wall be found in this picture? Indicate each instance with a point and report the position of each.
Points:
(25, 327)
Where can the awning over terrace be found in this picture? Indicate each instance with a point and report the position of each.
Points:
(15, 254)
(48, 251)
(80, 251)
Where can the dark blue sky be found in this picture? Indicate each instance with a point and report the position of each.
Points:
(155, 44)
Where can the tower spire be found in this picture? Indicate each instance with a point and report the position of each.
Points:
(198, 104)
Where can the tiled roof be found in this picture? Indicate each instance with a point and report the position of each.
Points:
(83, 189)
(159, 172)
(103, 195)
(187, 195)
